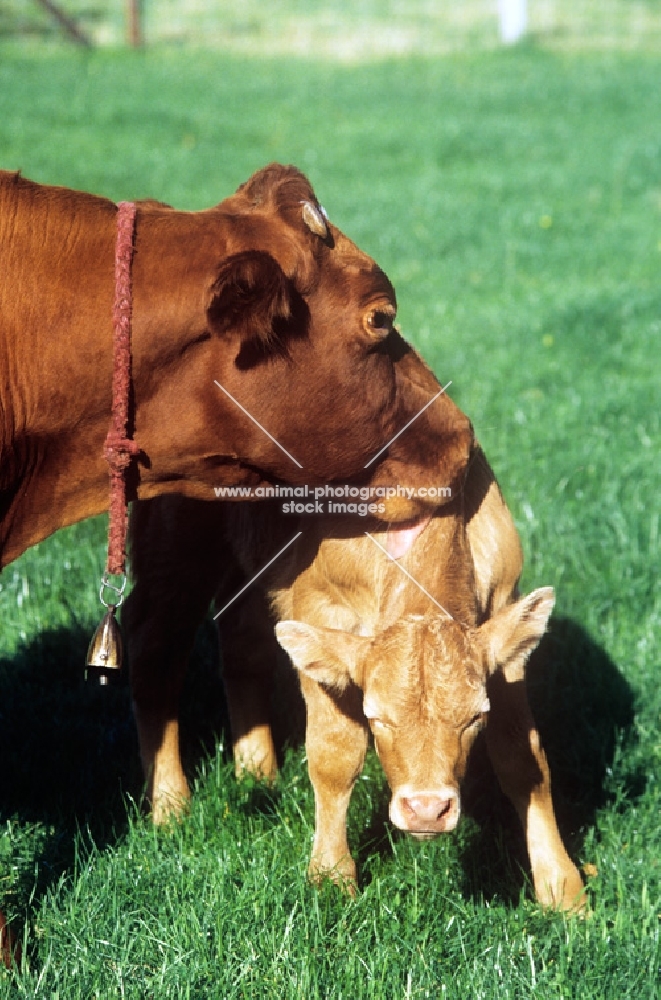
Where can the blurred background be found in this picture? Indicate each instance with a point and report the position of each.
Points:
(346, 29)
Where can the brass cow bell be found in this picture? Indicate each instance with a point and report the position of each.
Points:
(104, 655)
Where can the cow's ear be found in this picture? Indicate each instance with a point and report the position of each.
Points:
(514, 632)
(255, 304)
(329, 656)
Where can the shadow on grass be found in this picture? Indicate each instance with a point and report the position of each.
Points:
(68, 758)
(69, 753)
(66, 746)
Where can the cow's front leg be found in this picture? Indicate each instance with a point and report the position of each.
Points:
(157, 674)
(176, 564)
(336, 742)
(521, 767)
(249, 650)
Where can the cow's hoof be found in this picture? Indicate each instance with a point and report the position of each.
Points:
(265, 772)
(169, 807)
(10, 949)
(254, 755)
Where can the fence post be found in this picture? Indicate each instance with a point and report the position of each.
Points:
(512, 15)
(134, 34)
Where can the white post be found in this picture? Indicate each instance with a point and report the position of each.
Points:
(513, 19)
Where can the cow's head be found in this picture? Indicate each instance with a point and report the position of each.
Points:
(424, 685)
(302, 323)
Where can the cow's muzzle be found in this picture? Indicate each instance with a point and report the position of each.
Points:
(425, 813)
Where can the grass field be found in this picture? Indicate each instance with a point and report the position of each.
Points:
(514, 197)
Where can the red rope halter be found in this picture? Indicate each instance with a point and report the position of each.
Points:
(119, 449)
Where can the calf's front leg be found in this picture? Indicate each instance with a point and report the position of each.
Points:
(516, 753)
(336, 743)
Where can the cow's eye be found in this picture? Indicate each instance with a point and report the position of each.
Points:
(379, 323)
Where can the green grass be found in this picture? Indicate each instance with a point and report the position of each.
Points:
(515, 200)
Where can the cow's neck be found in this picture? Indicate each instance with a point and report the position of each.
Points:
(55, 300)
(57, 259)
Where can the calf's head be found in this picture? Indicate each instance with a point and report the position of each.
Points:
(424, 685)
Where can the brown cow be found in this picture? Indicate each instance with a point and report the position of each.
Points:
(259, 294)
(424, 652)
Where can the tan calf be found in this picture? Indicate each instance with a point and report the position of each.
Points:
(424, 651)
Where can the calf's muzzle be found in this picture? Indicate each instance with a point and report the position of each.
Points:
(425, 813)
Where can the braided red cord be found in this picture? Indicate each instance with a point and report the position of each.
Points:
(118, 448)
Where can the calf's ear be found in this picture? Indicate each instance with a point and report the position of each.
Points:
(253, 302)
(511, 635)
(329, 656)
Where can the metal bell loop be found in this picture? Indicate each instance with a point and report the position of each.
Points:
(117, 589)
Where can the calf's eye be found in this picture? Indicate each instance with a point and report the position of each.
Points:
(379, 726)
(481, 716)
(374, 720)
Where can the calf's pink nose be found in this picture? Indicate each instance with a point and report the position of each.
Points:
(429, 813)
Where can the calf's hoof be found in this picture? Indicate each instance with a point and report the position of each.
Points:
(343, 875)
(562, 891)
